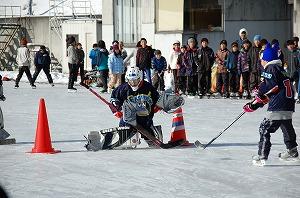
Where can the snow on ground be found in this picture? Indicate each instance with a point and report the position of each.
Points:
(222, 170)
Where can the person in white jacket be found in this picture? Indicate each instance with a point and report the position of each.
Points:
(173, 66)
(23, 60)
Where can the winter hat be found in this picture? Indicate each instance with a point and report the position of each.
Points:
(269, 53)
(204, 39)
(257, 37)
(223, 42)
(176, 42)
(243, 30)
(23, 41)
(191, 39)
(234, 44)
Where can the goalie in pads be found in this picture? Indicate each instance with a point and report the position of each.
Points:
(136, 101)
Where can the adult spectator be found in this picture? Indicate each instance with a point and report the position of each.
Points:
(206, 60)
(72, 63)
(143, 59)
(23, 60)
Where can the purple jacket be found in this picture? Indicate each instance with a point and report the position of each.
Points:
(244, 61)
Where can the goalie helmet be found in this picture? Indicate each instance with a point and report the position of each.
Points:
(134, 77)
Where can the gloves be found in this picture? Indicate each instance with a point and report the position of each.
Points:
(156, 109)
(118, 114)
(259, 101)
(249, 107)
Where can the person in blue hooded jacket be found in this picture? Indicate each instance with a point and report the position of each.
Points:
(42, 62)
(231, 65)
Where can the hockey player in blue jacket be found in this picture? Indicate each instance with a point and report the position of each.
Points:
(276, 90)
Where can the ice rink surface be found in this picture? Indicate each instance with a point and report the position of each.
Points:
(222, 170)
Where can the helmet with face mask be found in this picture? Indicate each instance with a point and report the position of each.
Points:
(134, 77)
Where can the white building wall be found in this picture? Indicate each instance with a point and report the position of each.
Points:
(108, 21)
(87, 36)
(296, 18)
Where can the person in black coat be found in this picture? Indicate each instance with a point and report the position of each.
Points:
(42, 62)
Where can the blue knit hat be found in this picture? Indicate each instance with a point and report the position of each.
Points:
(257, 37)
(269, 53)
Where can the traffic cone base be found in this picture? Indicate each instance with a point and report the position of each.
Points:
(42, 137)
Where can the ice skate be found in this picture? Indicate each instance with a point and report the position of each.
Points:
(245, 95)
(72, 90)
(200, 96)
(208, 95)
(289, 155)
(33, 86)
(258, 160)
(217, 95)
(16, 87)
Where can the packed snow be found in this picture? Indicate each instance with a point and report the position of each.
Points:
(222, 170)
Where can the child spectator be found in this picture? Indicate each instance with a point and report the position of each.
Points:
(173, 63)
(222, 75)
(123, 51)
(42, 62)
(190, 63)
(159, 64)
(80, 64)
(244, 63)
(206, 59)
(23, 60)
(231, 65)
(94, 56)
(243, 33)
(143, 59)
(116, 68)
(124, 55)
(181, 71)
(102, 65)
(255, 67)
(296, 41)
(293, 65)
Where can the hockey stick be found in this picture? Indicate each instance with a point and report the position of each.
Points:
(209, 143)
(139, 128)
(111, 106)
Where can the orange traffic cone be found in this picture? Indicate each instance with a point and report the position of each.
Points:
(178, 130)
(42, 136)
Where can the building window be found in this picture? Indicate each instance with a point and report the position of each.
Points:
(203, 15)
(127, 17)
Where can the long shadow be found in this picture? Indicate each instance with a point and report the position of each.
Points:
(236, 144)
(79, 151)
(57, 141)
(281, 165)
